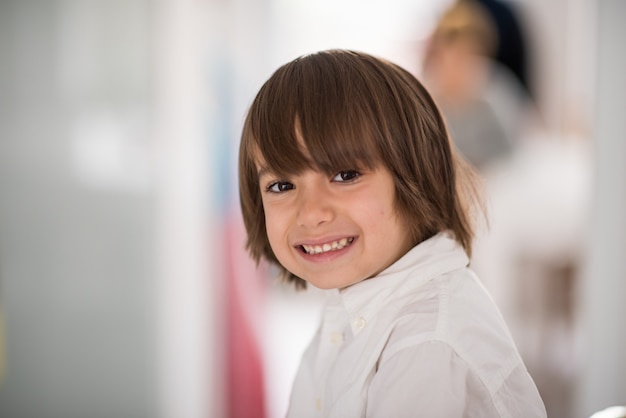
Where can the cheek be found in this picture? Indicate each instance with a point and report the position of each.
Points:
(382, 210)
(390, 223)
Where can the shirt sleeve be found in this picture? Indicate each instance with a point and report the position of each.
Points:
(430, 380)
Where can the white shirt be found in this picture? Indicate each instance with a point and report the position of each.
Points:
(421, 339)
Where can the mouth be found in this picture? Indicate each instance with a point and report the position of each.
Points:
(326, 247)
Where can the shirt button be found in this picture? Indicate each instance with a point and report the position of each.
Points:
(336, 338)
(359, 323)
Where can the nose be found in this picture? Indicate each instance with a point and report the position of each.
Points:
(314, 206)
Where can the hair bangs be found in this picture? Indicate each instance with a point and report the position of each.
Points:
(310, 120)
(337, 123)
(337, 140)
(279, 151)
(315, 146)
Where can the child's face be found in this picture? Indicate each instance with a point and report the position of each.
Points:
(333, 231)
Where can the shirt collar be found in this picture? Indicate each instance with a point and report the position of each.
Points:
(431, 258)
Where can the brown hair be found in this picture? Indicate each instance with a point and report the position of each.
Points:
(350, 107)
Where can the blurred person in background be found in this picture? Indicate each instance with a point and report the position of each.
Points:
(484, 101)
(537, 182)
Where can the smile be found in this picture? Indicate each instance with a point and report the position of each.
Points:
(327, 247)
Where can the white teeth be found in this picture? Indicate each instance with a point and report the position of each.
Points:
(332, 246)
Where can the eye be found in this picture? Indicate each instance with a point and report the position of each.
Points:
(279, 187)
(346, 176)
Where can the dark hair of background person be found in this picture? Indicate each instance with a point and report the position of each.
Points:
(512, 46)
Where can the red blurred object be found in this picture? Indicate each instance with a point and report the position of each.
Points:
(244, 291)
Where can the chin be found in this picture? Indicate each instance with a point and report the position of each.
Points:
(325, 285)
(331, 284)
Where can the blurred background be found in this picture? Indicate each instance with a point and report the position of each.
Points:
(124, 287)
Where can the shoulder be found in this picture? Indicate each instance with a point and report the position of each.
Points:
(451, 335)
(434, 377)
(455, 312)
(430, 377)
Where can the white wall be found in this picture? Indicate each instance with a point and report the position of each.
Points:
(77, 259)
(603, 293)
(189, 287)
(108, 276)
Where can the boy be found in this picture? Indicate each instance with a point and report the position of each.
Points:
(348, 182)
